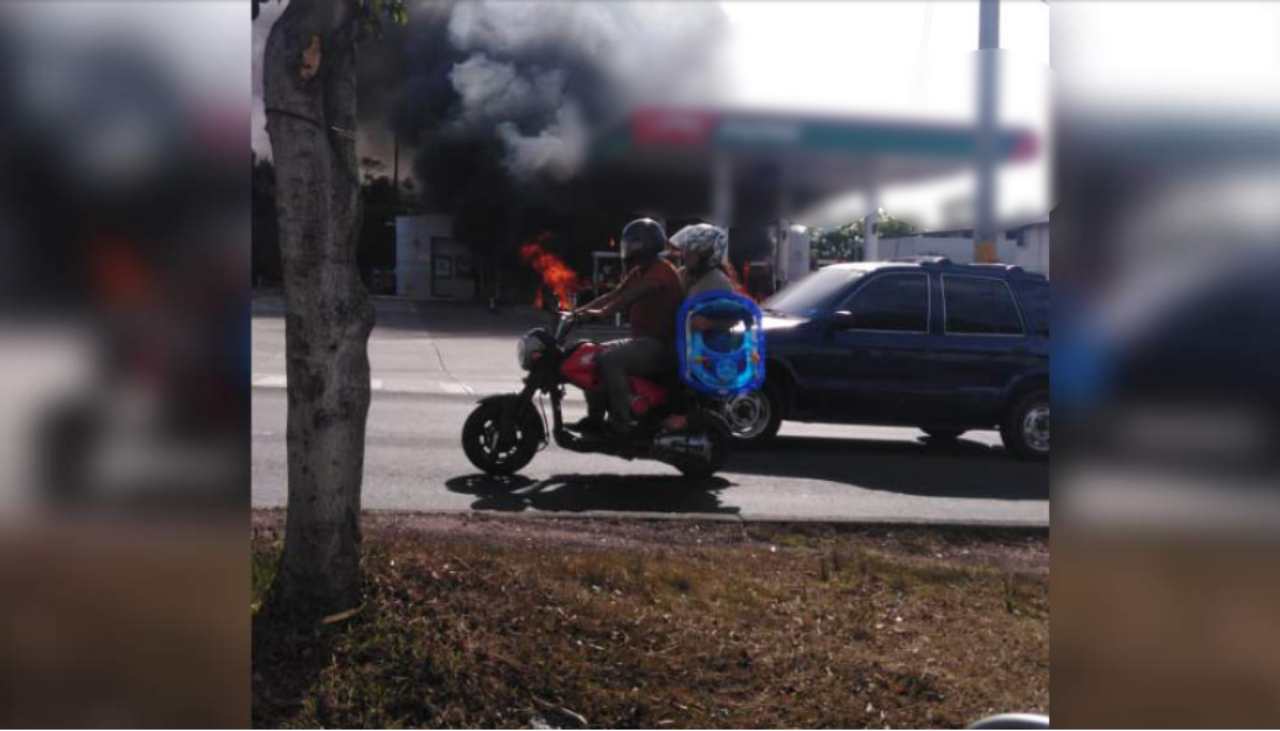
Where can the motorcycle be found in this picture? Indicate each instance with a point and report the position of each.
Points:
(676, 426)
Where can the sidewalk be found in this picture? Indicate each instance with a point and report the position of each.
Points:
(445, 318)
(417, 347)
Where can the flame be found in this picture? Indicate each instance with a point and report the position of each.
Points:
(555, 274)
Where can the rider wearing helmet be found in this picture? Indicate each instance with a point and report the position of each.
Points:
(704, 249)
(651, 294)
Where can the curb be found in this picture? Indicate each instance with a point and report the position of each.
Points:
(870, 521)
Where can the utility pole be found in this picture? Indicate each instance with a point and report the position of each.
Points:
(984, 232)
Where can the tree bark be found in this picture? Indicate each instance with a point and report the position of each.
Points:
(309, 89)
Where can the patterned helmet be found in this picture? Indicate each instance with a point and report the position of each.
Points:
(704, 246)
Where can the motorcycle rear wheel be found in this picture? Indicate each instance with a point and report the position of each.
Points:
(719, 438)
(483, 443)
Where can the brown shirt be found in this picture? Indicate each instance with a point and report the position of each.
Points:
(654, 315)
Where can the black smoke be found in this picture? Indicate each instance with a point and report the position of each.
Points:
(500, 103)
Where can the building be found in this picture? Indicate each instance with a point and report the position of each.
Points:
(1026, 245)
(756, 172)
(430, 264)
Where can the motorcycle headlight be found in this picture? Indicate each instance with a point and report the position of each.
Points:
(522, 352)
(528, 348)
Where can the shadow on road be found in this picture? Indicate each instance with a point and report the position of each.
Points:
(959, 469)
(579, 493)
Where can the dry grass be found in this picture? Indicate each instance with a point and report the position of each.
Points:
(493, 623)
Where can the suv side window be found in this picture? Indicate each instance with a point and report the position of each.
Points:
(979, 306)
(894, 302)
(1035, 301)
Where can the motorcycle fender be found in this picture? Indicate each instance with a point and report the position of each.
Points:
(515, 400)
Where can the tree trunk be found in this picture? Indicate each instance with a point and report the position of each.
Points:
(309, 87)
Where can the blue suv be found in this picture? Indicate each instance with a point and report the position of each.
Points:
(926, 343)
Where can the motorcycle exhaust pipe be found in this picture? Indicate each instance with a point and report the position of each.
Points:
(682, 448)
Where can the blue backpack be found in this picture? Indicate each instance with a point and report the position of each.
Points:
(724, 361)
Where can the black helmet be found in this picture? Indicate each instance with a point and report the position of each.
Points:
(642, 240)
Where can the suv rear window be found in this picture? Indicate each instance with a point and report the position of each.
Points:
(979, 306)
(898, 302)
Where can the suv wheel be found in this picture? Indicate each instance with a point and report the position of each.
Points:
(754, 417)
(1025, 430)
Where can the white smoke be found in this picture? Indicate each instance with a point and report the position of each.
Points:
(644, 52)
(557, 150)
(645, 48)
(493, 90)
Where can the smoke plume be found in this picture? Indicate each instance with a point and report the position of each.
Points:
(544, 75)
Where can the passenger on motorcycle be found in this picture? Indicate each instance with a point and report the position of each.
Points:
(704, 250)
(651, 294)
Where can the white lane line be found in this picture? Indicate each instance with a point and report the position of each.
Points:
(283, 382)
(456, 388)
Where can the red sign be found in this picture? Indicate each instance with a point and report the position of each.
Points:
(672, 127)
(1026, 147)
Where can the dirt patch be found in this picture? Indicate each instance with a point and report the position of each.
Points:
(1167, 632)
(492, 622)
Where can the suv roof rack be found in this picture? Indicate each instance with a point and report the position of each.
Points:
(1011, 268)
(923, 259)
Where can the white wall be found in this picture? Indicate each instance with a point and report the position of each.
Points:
(413, 253)
(419, 239)
(1033, 255)
(793, 255)
(957, 249)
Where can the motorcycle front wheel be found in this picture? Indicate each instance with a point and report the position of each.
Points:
(492, 451)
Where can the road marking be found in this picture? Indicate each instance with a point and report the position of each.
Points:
(283, 382)
(452, 388)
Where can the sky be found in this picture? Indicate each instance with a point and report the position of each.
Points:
(904, 59)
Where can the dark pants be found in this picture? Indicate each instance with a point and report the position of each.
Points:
(620, 360)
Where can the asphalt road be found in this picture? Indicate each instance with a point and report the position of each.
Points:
(431, 363)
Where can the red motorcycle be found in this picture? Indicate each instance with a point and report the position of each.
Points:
(674, 424)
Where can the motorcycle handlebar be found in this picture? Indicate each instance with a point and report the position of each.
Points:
(565, 320)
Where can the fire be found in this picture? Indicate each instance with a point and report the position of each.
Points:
(555, 274)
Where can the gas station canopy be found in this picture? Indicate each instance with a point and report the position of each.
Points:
(801, 159)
